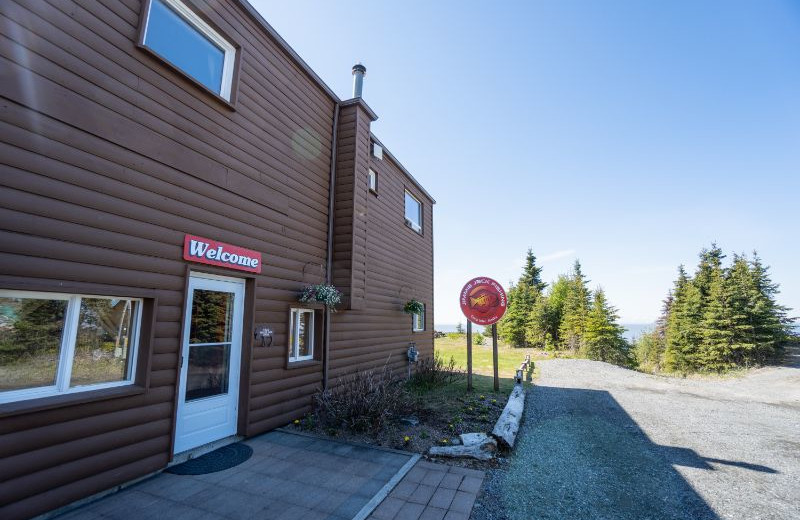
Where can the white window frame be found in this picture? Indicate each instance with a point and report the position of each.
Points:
(372, 181)
(69, 338)
(294, 323)
(416, 226)
(226, 85)
(416, 319)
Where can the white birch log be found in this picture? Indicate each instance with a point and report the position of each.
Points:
(507, 426)
(483, 451)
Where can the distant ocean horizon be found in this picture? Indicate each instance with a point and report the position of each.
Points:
(632, 330)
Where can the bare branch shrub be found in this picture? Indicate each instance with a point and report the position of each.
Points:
(434, 372)
(364, 401)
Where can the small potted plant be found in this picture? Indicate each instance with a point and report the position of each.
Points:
(325, 294)
(414, 307)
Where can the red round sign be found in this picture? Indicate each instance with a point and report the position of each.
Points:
(483, 301)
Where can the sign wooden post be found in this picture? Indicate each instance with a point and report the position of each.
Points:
(483, 301)
(469, 355)
(494, 357)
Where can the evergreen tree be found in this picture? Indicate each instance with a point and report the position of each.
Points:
(603, 339)
(556, 301)
(683, 325)
(522, 298)
(724, 317)
(649, 351)
(538, 330)
(769, 319)
(716, 330)
(708, 269)
(531, 274)
(459, 328)
(663, 318)
(576, 310)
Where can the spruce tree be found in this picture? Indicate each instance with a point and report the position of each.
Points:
(682, 339)
(603, 340)
(531, 274)
(522, 298)
(770, 321)
(716, 352)
(576, 310)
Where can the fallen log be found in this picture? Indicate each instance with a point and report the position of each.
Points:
(507, 426)
(484, 451)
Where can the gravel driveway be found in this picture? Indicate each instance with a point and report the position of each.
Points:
(602, 442)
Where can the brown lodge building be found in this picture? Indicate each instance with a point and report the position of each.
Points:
(172, 175)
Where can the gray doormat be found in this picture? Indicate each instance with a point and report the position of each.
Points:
(217, 460)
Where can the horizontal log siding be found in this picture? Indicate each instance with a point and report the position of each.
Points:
(349, 248)
(398, 265)
(108, 158)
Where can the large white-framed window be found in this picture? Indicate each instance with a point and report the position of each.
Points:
(55, 343)
(418, 321)
(301, 335)
(413, 212)
(177, 34)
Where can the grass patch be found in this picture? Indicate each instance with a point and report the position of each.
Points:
(508, 358)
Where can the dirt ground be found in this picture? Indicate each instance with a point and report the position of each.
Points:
(600, 441)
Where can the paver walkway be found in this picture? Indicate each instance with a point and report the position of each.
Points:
(289, 477)
(432, 492)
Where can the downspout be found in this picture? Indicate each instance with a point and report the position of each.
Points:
(329, 267)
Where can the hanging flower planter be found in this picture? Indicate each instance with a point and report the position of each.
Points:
(325, 294)
(414, 307)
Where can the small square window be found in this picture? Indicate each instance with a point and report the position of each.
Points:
(413, 213)
(372, 180)
(301, 335)
(186, 41)
(418, 321)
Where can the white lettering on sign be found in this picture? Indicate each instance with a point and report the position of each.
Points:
(199, 249)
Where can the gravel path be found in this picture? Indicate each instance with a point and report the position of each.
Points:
(602, 442)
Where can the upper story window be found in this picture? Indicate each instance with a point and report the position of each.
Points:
(180, 36)
(372, 181)
(413, 213)
(53, 343)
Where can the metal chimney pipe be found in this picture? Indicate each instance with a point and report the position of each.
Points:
(359, 71)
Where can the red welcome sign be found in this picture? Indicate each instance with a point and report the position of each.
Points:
(483, 301)
(211, 252)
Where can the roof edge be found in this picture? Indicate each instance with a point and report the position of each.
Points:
(256, 16)
(363, 104)
(402, 168)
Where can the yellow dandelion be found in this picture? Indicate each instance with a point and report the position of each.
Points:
(406, 438)
(297, 421)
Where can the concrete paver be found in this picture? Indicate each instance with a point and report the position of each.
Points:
(432, 491)
(289, 477)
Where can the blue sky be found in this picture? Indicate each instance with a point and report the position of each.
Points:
(628, 134)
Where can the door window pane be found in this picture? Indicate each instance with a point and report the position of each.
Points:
(212, 315)
(208, 371)
(31, 332)
(180, 42)
(103, 346)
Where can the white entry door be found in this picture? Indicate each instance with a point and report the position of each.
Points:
(211, 359)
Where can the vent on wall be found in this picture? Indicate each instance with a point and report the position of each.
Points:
(377, 151)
